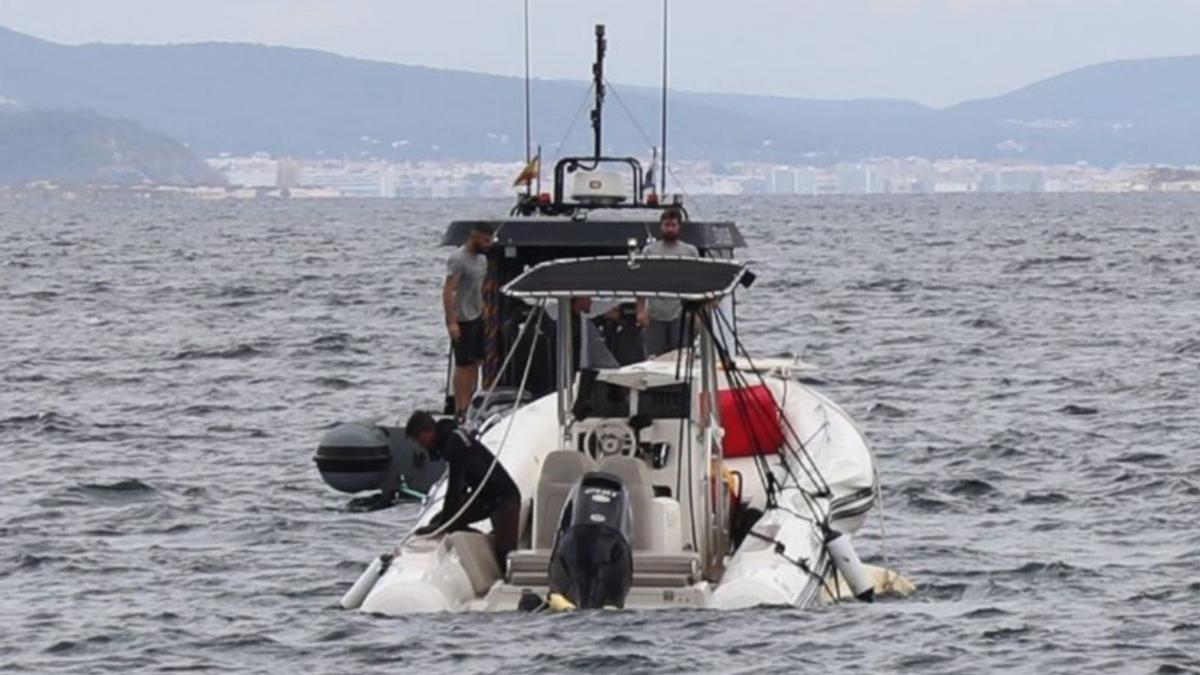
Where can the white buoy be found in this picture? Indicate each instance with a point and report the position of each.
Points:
(849, 565)
(354, 597)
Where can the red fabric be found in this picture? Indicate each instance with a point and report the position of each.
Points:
(751, 421)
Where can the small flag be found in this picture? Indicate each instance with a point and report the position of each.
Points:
(531, 171)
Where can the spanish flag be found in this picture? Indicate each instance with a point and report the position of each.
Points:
(531, 171)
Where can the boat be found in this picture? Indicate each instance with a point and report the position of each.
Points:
(703, 477)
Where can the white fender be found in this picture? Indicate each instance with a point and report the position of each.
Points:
(354, 597)
(850, 566)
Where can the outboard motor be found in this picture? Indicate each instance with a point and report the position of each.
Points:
(592, 561)
(358, 456)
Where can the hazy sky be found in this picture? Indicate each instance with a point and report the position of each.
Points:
(935, 51)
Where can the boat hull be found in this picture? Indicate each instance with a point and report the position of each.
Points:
(783, 562)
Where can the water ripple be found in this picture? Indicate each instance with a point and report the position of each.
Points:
(1025, 367)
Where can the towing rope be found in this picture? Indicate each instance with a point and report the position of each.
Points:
(739, 384)
(780, 550)
(517, 405)
(536, 311)
(811, 470)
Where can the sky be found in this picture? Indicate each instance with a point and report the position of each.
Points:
(937, 52)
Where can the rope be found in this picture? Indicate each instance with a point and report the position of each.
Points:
(517, 405)
(629, 113)
(739, 399)
(650, 142)
(780, 550)
(536, 311)
(571, 127)
(739, 384)
(800, 453)
(887, 563)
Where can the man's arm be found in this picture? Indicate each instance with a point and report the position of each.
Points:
(451, 503)
(449, 295)
(456, 489)
(454, 452)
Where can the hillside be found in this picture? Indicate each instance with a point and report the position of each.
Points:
(1135, 111)
(239, 98)
(83, 147)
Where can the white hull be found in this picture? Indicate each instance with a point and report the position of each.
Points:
(452, 575)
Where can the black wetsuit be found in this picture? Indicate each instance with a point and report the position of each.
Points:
(469, 461)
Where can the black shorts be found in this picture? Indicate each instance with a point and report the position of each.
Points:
(471, 345)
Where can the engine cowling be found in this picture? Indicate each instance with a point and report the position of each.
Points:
(591, 564)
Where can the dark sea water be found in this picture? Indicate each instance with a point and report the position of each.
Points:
(1027, 368)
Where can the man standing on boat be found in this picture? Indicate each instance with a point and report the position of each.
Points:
(462, 300)
(659, 318)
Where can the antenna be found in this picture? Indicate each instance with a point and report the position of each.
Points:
(598, 84)
(662, 174)
(528, 125)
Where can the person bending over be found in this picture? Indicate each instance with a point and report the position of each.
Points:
(469, 461)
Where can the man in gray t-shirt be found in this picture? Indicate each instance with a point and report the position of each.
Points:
(659, 318)
(462, 300)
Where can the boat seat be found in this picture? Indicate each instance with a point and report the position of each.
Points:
(478, 558)
(636, 477)
(531, 569)
(560, 470)
(665, 570)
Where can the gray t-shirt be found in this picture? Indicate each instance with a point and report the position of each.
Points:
(657, 308)
(469, 269)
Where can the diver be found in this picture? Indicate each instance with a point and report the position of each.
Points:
(470, 462)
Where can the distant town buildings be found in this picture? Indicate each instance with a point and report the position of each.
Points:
(373, 178)
(376, 178)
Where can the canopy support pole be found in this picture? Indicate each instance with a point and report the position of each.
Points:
(565, 368)
(712, 512)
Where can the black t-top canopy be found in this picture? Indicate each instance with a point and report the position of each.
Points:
(625, 277)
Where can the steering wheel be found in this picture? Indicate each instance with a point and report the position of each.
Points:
(609, 439)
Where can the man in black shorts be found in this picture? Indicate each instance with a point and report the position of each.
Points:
(462, 299)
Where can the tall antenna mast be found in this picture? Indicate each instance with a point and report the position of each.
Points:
(528, 124)
(662, 174)
(598, 85)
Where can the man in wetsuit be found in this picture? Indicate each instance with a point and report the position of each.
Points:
(469, 462)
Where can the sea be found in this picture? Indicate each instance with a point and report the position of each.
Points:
(1027, 368)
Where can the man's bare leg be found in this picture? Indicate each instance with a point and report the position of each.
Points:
(466, 379)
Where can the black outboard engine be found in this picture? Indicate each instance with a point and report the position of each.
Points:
(358, 456)
(592, 561)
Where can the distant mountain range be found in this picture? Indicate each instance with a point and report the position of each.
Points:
(241, 99)
(83, 147)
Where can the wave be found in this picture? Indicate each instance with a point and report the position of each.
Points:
(244, 350)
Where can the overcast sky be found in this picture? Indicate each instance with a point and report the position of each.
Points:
(934, 51)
